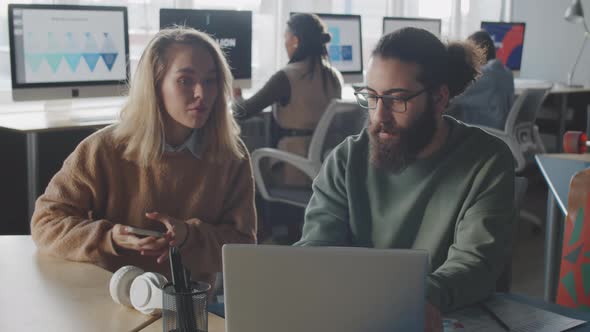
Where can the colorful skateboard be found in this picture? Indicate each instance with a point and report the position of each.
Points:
(575, 142)
(573, 289)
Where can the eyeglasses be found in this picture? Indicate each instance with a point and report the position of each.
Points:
(394, 103)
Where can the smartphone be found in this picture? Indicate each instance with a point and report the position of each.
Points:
(144, 232)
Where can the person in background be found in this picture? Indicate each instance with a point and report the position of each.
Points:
(301, 90)
(487, 102)
(173, 163)
(415, 179)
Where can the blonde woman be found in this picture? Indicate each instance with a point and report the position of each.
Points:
(174, 163)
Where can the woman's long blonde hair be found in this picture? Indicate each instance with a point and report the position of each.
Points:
(141, 127)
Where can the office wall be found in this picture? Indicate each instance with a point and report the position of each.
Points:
(479, 10)
(551, 43)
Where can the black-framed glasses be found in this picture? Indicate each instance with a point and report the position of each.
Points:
(394, 103)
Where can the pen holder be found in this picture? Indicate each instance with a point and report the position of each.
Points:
(185, 312)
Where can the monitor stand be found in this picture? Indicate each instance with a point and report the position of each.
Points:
(76, 113)
(242, 83)
(353, 78)
(516, 73)
(59, 105)
(571, 85)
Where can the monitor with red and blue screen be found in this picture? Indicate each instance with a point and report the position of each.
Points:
(508, 38)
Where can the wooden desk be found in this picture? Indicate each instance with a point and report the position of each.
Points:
(215, 324)
(32, 118)
(43, 293)
(557, 170)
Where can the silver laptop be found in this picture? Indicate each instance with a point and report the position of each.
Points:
(323, 289)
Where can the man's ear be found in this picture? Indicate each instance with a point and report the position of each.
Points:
(296, 41)
(441, 98)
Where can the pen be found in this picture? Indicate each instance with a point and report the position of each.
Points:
(495, 317)
(185, 315)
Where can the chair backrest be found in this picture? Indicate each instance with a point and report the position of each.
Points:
(520, 124)
(504, 280)
(340, 120)
(526, 106)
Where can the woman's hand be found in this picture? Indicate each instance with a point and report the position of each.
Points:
(177, 234)
(128, 241)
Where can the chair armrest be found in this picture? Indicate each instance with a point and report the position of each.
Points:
(512, 145)
(305, 165)
(494, 131)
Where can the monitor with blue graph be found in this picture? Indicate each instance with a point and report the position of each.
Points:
(62, 51)
(345, 49)
(508, 38)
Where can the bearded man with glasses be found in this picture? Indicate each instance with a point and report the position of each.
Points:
(415, 179)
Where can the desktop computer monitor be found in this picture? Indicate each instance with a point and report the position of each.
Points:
(232, 29)
(345, 50)
(63, 52)
(391, 24)
(508, 38)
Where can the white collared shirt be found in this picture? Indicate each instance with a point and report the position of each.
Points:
(193, 143)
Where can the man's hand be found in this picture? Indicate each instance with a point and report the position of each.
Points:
(433, 320)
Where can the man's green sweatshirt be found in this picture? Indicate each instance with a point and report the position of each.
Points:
(457, 204)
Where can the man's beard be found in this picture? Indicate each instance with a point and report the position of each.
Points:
(397, 154)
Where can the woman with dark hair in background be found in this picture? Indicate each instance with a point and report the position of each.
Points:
(489, 99)
(301, 90)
